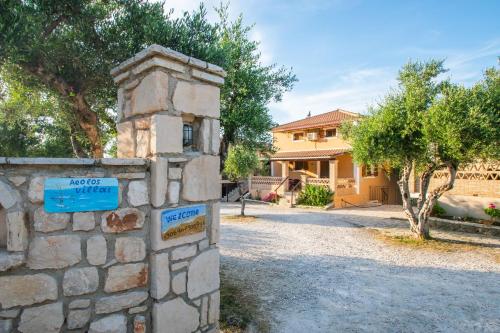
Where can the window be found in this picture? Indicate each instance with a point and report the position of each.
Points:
(187, 135)
(298, 136)
(369, 171)
(330, 133)
(300, 165)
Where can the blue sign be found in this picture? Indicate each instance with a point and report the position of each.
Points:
(183, 221)
(80, 194)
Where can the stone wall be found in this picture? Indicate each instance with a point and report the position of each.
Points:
(111, 271)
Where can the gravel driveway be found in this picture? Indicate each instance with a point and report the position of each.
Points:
(315, 271)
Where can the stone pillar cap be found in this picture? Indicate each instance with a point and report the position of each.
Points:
(164, 52)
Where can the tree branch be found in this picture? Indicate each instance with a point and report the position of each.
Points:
(52, 26)
(405, 193)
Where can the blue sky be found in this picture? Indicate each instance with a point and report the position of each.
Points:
(346, 53)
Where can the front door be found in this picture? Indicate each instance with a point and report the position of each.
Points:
(324, 169)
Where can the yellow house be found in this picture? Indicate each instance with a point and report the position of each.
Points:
(312, 151)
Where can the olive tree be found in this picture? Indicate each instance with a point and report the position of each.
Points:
(241, 162)
(427, 125)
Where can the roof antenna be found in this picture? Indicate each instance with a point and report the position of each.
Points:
(309, 114)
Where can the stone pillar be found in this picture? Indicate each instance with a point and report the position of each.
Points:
(357, 173)
(318, 168)
(160, 92)
(333, 165)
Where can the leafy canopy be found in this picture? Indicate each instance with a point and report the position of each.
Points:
(430, 122)
(66, 49)
(241, 162)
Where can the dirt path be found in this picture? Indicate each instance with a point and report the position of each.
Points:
(323, 272)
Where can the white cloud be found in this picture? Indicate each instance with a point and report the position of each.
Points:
(358, 89)
(353, 91)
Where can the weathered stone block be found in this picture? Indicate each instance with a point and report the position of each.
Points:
(199, 99)
(157, 243)
(54, 252)
(179, 265)
(203, 245)
(159, 180)
(17, 180)
(35, 191)
(83, 221)
(151, 94)
(215, 224)
(10, 313)
(79, 304)
(7, 196)
(175, 173)
(80, 281)
(201, 180)
(6, 326)
(175, 316)
(10, 260)
(45, 318)
(214, 309)
(120, 220)
(166, 134)
(123, 277)
(184, 252)
(207, 77)
(143, 123)
(97, 250)
(26, 289)
(142, 143)
(119, 302)
(138, 193)
(116, 323)
(215, 137)
(17, 232)
(125, 139)
(78, 318)
(129, 249)
(174, 189)
(160, 275)
(45, 222)
(179, 283)
(138, 309)
(204, 136)
(203, 274)
(204, 311)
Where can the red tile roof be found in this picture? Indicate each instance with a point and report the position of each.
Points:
(332, 118)
(320, 154)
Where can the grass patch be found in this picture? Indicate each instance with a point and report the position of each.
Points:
(239, 218)
(434, 244)
(238, 310)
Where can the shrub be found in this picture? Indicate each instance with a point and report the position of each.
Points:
(314, 195)
(438, 211)
(492, 211)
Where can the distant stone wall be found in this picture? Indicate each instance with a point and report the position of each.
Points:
(112, 271)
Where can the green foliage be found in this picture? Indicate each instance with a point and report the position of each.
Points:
(437, 210)
(314, 195)
(249, 87)
(240, 163)
(426, 121)
(492, 211)
(67, 48)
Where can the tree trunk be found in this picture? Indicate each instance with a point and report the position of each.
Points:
(242, 199)
(405, 194)
(430, 199)
(89, 123)
(87, 119)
